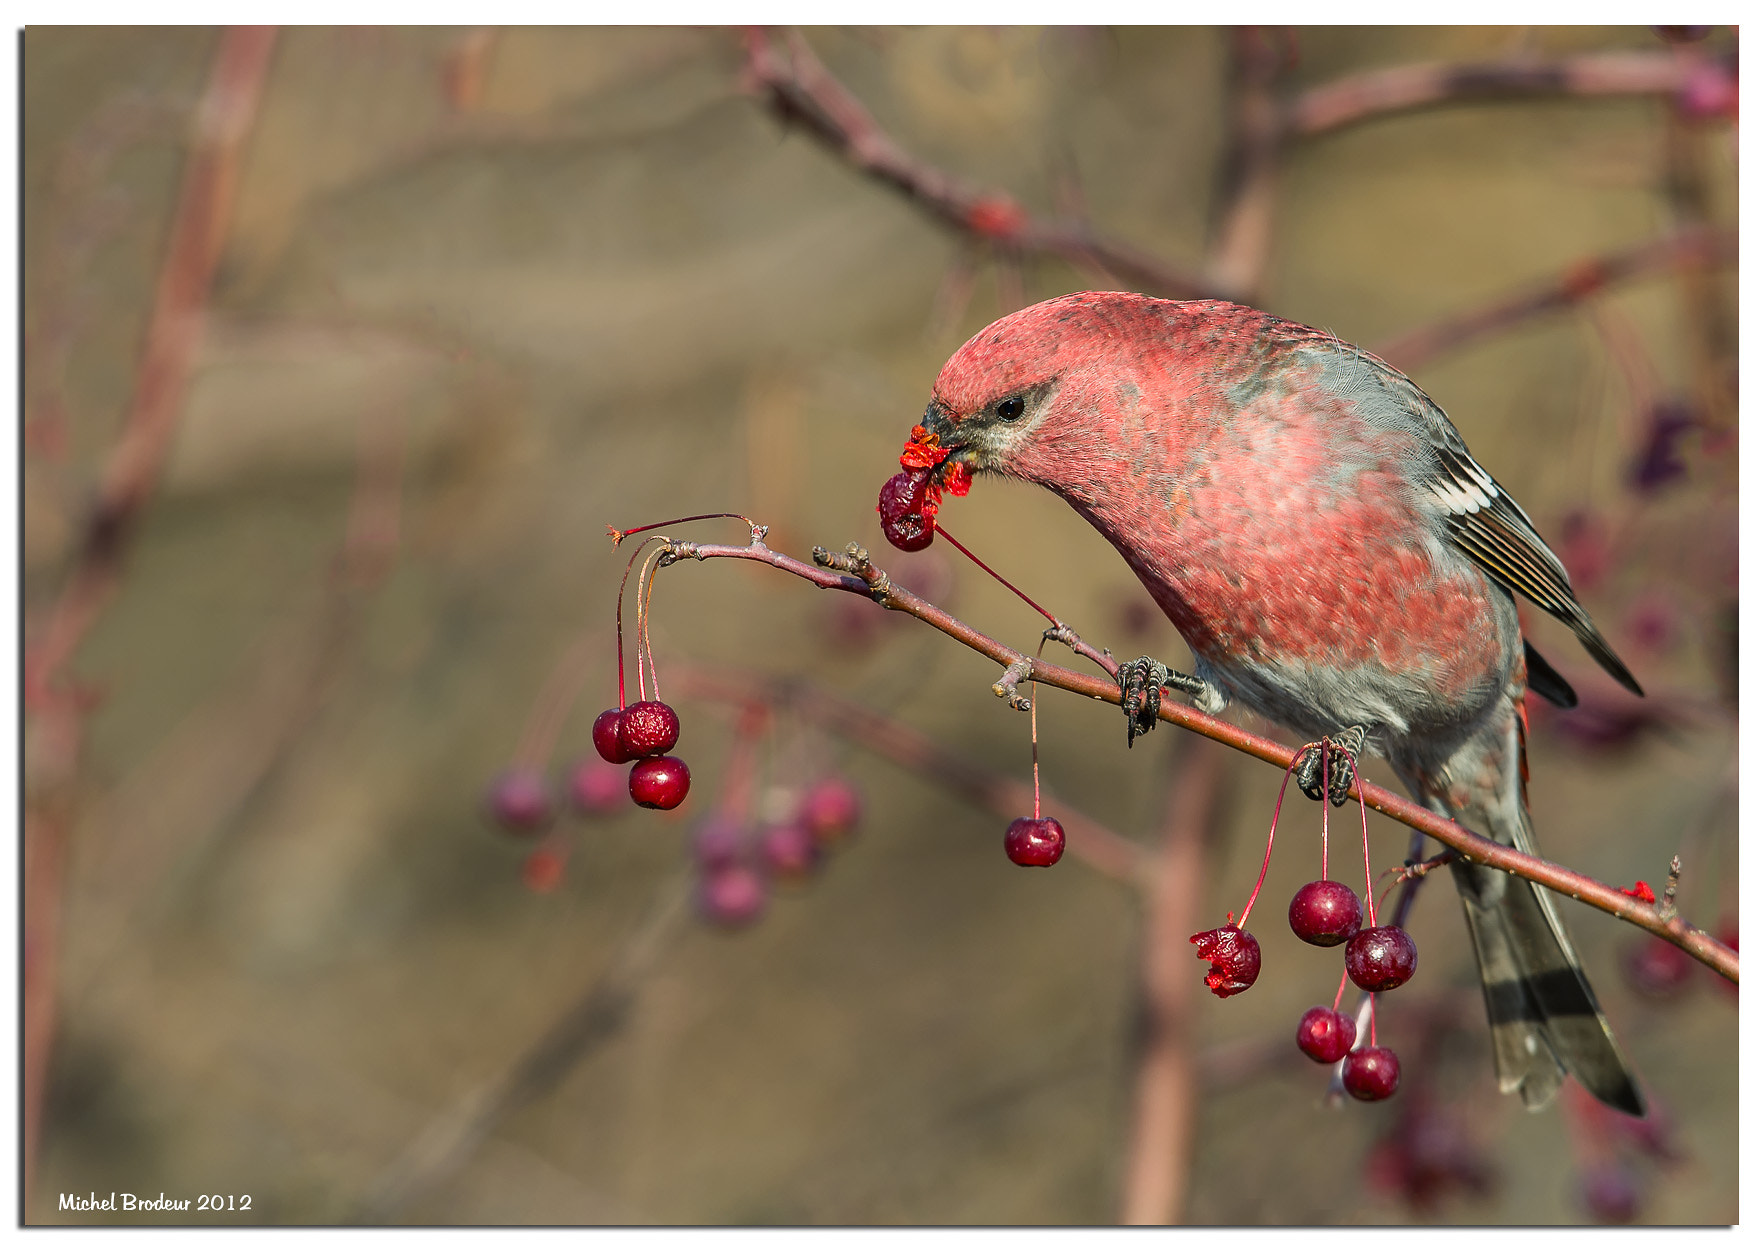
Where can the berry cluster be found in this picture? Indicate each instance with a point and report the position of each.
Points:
(1324, 913)
(738, 860)
(645, 731)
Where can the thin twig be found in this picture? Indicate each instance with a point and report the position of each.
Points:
(803, 93)
(863, 578)
(1576, 283)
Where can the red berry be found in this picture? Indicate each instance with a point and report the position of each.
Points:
(831, 809)
(606, 736)
(519, 801)
(596, 787)
(902, 507)
(648, 728)
(660, 782)
(1236, 957)
(1657, 968)
(1033, 843)
(543, 872)
(1381, 958)
(790, 850)
(720, 842)
(732, 896)
(1325, 1034)
(1324, 913)
(1371, 1073)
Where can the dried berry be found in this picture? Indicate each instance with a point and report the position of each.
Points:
(1236, 959)
(902, 508)
(648, 728)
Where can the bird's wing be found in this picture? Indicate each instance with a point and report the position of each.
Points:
(1488, 526)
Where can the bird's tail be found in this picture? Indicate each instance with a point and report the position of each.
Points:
(1542, 1013)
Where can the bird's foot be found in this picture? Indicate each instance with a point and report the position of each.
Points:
(1344, 751)
(1143, 682)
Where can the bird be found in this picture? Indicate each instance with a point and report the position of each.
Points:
(1337, 561)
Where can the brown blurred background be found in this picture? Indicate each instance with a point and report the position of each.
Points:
(478, 294)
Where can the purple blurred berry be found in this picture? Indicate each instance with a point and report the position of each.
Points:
(519, 801)
(597, 787)
(732, 897)
(790, 851)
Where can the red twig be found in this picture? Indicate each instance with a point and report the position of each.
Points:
(1405, 88)
(1160, 1146)
(1580, 281)
(803, 93)
(851, 571)
(198, 233)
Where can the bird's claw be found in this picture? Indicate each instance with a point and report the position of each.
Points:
(1142, 694)
(1344, 752)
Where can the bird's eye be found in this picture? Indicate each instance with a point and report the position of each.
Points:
(1010, 409)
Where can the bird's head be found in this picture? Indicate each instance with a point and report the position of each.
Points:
(1039, 391)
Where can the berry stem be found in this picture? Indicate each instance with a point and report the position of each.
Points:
(1365, 834)
(1269, 853)
(619, 622)
(651, 568)
(1336, 1005)
(619, 535)
(988, 570)
(1034, 738)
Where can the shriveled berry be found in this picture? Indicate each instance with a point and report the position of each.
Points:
(519, 801)
(660, 782)
(719, 842)
(1371, 1073)
(1656, 968)
(596, 787)
(606, 736)
(1033, 843)
(901, 505)
(790, 851)
(1324, 913)
(1381, 958)
(732, 896)
(1236, 959)
(1326, 1034)
(648, 728)
(831, 809)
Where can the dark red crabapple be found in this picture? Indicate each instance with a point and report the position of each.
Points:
(1325, 1034)
(830, 809)
(1381, 958)
(1371, 1073)
(660, 782)
(901, 504)
(719, 842)
(1035, 843)
(596, 787)
(790, 851)
(519, 801)
(1656, 968)
(1324, 913)
(1236, 959)
(606, 736)
(732, 897)
(648, 728)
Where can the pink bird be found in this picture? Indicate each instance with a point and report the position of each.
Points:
(1336, 560)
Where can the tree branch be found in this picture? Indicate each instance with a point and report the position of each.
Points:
(1405, 88)
(803, 93)
(857, 575)
(1579, 281)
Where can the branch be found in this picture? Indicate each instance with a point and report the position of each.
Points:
(198, 232)
(1578, 282)
(858, 576)
(1405, 88)
(803, 93)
